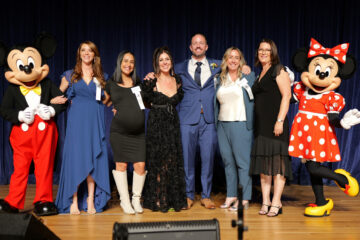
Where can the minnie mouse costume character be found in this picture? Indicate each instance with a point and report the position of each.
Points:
(312, 135)
(26, 104)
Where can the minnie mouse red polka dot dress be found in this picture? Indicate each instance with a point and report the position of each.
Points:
(311, 136)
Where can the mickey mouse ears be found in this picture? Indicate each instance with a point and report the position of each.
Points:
(46, 44)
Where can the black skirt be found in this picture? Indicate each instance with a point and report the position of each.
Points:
(270, 157)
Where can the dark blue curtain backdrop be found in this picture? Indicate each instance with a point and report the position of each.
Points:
(141, 27)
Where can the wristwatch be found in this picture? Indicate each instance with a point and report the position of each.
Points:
(280, 120)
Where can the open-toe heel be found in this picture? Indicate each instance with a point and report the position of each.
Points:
(74, 210)
(228, 203)
(91, 210)
(274, 214)
(264, 212)
(234, 206)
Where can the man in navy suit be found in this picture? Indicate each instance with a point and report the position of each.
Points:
(196, 113)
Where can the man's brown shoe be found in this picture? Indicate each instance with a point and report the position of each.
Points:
(207, 203)
(190, 202)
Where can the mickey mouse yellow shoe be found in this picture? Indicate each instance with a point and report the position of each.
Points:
(351, 189)
(319, 211)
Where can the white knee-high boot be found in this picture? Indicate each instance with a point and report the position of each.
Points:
(122, 186)
(137, 187)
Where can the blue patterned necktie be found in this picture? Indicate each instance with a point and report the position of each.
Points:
(197, 73)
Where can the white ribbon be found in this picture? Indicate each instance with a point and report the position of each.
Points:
(244, 83)
(216, 80)
(136, 90)
(98, 89)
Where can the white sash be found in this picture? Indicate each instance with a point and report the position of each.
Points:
(98, 89)
(136, 90)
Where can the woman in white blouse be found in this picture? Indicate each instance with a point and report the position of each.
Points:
(234, 120)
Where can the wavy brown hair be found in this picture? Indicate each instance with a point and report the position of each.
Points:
(223, 66)
(96, 65)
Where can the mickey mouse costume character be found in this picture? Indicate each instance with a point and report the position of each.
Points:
(312, 135)
(26, 104)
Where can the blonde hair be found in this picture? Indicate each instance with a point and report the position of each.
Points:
(96, 65)
(224, 66)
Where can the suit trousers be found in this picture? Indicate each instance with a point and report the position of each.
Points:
(235, 142)
(203, 135)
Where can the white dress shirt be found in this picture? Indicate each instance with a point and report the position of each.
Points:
(231, 99)
(32, 99)
(205, 69)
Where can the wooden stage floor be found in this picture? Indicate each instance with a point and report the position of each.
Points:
(343, 223)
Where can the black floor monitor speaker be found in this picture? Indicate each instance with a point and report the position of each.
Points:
(23, 226)
(184, 230)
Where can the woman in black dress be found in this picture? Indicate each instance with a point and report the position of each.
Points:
(269, 156)
(165, 183)
(127, 131)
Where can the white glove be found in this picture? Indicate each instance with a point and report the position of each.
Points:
(27, 116)
(45, 112)
(291, 75)
(351, 118)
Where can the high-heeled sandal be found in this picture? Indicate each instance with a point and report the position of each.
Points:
(90, 210)
(262, 212)
(274, 214)
(228, 203)
(74, 210)
(234, 207)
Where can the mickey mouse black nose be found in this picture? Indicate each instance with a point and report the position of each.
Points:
(27, 69)
(322, 75)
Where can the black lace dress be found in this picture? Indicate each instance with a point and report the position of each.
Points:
(165, 183)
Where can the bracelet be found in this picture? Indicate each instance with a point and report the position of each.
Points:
(280, 120)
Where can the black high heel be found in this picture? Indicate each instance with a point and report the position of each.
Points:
(261, 212)
(274, 214)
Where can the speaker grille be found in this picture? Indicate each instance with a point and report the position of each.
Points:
(199, 229)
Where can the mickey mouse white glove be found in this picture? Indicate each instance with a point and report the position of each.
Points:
(45, 112)
(27, 116)
(351, 118)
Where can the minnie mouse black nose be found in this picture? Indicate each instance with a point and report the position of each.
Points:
(27, 69)
(322, 75)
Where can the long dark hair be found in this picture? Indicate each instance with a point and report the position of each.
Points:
(158, 51)
(274, 56)
(117, 75)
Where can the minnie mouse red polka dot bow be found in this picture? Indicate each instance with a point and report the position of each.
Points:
(338, 52)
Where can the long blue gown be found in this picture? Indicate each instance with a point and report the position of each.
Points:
(84, 150)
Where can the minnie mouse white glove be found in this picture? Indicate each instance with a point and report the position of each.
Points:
(351, 118)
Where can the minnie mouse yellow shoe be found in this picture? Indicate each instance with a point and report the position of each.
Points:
(319, 211)
(352, 188)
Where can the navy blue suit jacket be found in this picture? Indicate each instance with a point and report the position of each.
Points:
(196, 96)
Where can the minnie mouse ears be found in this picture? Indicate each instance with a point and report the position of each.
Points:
(301, 61)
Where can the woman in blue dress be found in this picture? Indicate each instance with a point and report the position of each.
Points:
(84, 178)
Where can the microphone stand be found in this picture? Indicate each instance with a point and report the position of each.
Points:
(240, 222)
